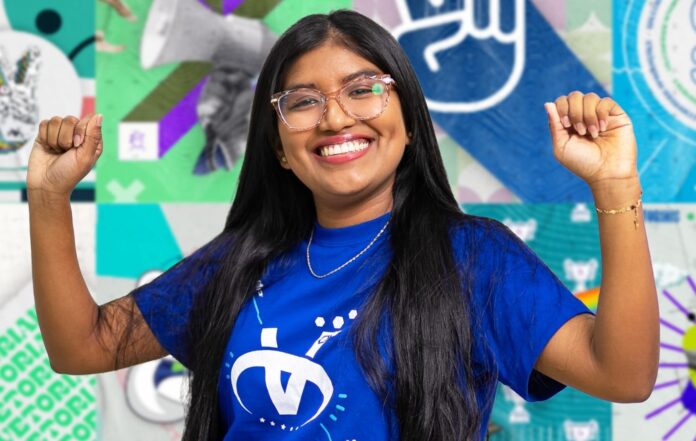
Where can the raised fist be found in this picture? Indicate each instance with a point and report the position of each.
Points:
(593, 137)
(64, 151)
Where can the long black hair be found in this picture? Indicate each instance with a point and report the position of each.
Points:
(423, 296)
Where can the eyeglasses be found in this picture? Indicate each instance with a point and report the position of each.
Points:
(361, 99)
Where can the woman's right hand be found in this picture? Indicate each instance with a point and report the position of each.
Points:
(64, 151)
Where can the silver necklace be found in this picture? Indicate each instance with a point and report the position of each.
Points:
(321, 276)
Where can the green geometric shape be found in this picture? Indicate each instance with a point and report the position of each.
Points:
(170, 179)
(215, 5)
(579, 11)
(124, 90)
(178, 367)
(255, 8)
(455, 159)
(169, 92)
(127, 193)
(132, 239)
(290, 11)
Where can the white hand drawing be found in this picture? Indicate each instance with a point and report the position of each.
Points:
(468, 27)
(518, 414)
(581, 272)
(19, 112)
(581, 431)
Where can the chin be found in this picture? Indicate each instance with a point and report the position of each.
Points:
(353, 192)
(341, 191)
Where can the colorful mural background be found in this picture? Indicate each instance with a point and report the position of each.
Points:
(175, 121)
(655, 74)
(47, 59)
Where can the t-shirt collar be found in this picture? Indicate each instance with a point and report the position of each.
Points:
(353, 234)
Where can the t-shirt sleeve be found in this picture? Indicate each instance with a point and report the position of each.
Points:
(520, 306)
(165, 302)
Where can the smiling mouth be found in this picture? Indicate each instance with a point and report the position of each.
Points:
(343, 148)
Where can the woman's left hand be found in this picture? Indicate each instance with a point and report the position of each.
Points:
(593, 138)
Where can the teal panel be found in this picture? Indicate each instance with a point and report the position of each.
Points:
(69, 24)
(551, 420)
(559, 233)
(132, 239)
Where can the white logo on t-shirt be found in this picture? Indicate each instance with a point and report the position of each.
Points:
(286, 400)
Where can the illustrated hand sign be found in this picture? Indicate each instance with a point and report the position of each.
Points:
(19, 112)
(457, 42)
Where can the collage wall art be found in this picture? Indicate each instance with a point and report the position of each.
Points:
(174, 80)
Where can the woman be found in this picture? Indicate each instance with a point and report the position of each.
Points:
(348, 297)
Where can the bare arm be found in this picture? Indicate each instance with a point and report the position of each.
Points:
(615, 355)
(80, 336)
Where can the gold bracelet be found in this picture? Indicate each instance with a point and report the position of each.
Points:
(633, 208)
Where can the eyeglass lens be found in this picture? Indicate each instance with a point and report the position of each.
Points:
(362, 99)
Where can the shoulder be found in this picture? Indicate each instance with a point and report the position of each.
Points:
(484, 238)
(198, 266)
(468, 224)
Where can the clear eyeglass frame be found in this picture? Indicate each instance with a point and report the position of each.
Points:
(336, 95)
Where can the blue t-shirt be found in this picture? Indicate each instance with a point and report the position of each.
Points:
(289, 371)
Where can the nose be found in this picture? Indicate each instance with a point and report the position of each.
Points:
(335, 118)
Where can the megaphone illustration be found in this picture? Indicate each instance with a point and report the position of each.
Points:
(185, 30)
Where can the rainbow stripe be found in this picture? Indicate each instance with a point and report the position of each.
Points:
(589, 297)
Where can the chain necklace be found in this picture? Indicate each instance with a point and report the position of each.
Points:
(321, 276)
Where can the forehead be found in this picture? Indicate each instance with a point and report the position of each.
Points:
(326, 67)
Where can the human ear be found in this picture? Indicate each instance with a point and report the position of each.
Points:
(283, 160)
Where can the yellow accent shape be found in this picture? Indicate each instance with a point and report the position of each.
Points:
(689, 344)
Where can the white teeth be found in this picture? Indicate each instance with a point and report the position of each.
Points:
(346, 147)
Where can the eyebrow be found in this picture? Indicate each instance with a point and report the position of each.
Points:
(347, 78)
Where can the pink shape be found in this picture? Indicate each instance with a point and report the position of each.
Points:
(465, 195)
(501, 196)
(383, 11)
(88, 106)
(554, 12)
